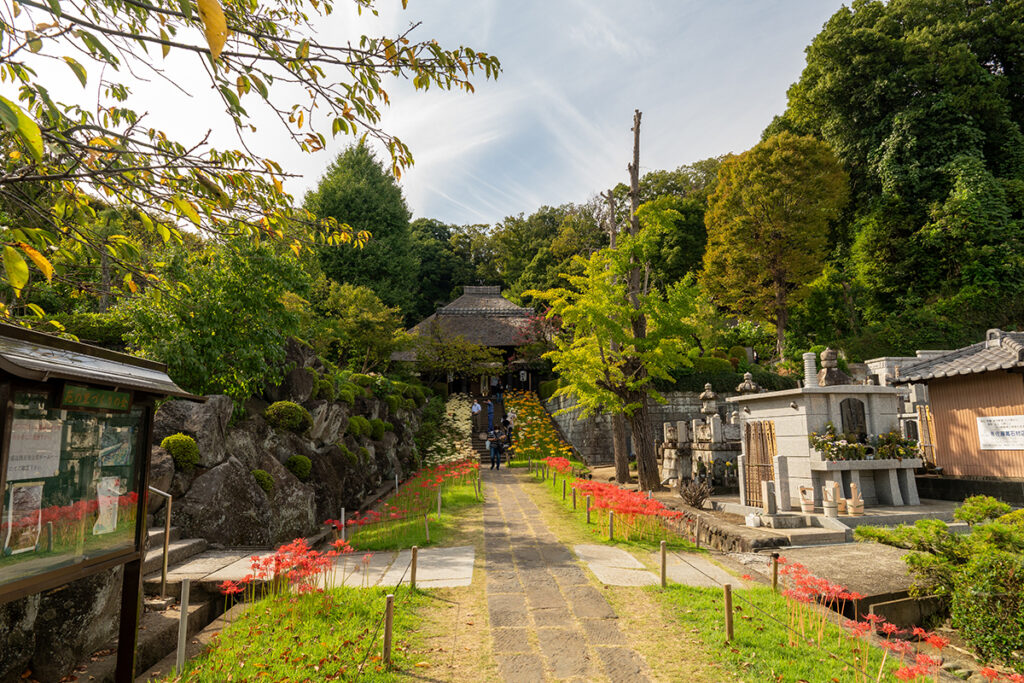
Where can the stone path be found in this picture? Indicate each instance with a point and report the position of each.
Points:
(615, 566)
(547, 620)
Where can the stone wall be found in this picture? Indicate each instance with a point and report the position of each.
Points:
(592, 436)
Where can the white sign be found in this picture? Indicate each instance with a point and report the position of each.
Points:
(1001, 433)
(35, 449)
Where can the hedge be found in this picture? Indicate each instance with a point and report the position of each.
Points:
(288, 415)
(183, 449)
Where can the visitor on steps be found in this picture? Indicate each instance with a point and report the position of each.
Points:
(494, 445)
(490, 416)
(475, 419)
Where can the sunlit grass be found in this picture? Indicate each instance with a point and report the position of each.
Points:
(410, 530)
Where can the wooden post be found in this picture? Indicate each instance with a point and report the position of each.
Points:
(344, 531)
(182, 626)
(696, 533)
(775, 572)
(426, 526)
(728, 611)
(412, 568)
(49, 537)
(664, 580)
(389, 613)
(563, 489)
(574, 498)
(588, 509)
(611, 525)
(439, 502)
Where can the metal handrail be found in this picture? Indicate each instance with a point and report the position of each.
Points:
(167, 538)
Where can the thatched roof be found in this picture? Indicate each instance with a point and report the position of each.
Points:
(481, 316)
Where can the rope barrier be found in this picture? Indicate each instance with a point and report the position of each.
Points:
(376, 629)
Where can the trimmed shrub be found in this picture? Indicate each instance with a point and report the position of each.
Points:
(1015, 518)
(988, 605)
(977, 509)
(347, 393)
(388, 426)
(737, 352)
(409, 403)
(394, 402)
(183, 449)
(362, 380)
(324, 389)
(712, 365)
(288, 415)
(359, 426)
(719, 353)
(300, 466)
(263, 478)
(377, 429)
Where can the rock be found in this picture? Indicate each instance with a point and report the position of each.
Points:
(171, 419)
(283, 445)
(255, 407)
(330, 420)
(246, 444)
(161, 474)
(75, 621)
(298, 354)
(296, 386)
(208, 424)
(292, 504)
(227, 506)
(17, 633)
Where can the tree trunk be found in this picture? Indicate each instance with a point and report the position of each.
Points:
(619, 448)
(646, 461)
(104, 303)
(781, 319)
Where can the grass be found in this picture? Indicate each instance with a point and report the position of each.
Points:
(321, 636)
(760, 648)
(597, 530)
(404, 533)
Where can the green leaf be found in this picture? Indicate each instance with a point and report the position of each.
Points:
(78, 69)
(55, 8)
(35, 45)
(186, 209)
(19, 123)
(186, 8)
(163, 36)
(302, 51)
(17, 269)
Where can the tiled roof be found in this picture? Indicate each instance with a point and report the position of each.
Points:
(1000, 351)
(486, 301)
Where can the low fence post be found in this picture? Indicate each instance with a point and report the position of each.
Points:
(664, 579)
(389, 611)
(563, 489)
(179, 660)
(344, 532)
(412, 567)
(588, 509)
(728, 611)
(439, 502)
(426, 525)
(611, 525)
(574, 498)
(775, 572)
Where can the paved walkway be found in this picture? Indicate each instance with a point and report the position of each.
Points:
(547, 620)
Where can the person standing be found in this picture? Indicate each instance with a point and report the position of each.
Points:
(494, 445)
(475, 419)
(490, 415)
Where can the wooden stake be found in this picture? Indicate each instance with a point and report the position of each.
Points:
(728, 611)
(611, 525)
(412, 567)
(426, 526)
(696, 533)
(588, 509)
(775, 572)
(439, 502)
(179, 659)
(344, 532)
(389, 613)
(574, 498)
(563, 489)
(664, 579)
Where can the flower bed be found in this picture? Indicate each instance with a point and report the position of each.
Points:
(534, 438)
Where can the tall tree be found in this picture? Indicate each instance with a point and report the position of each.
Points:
(767, 223)
(255, 56)
(357, 191)
(443, 269)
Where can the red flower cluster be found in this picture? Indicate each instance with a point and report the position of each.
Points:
(622, 502)
(560, 465)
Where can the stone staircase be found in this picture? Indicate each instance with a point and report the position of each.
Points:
(178, 551)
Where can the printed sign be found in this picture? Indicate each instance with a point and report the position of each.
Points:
(99, 399)
(34, 450)
(107, 491)
(24, 517)
(1001, 433)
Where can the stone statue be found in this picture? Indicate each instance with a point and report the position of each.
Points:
(748, 385)
(830, 374)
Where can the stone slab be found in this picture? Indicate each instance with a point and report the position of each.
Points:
(435, 567)
(201, 566)
(607, 555)
(236, 570)
(613, 576)
(696, 570)
(872, 569)
(362, 569)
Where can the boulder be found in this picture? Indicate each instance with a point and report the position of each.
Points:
(17, 633)
(330, 420)
(171, 419)
(161, 474)
(283, 445)
(292, 504)
(225, 506)
(208, 424)
(296, 386)
(75, 621)
(246, 444)
(298, 354)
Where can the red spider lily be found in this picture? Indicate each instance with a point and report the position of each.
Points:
(230, 588)
(937, 641)
(892, 630)
(989, 673)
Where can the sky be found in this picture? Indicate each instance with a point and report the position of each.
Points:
(555, 127)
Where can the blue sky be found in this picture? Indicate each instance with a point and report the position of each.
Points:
(555, 127)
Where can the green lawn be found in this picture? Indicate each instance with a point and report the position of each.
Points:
(404, 533)
(761, 650)
(318, 636)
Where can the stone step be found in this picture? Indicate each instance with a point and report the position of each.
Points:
(206, 570)
(177, 552)
(156, 536)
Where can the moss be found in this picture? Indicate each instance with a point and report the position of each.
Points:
(183, 450)
(263, 478)
(288, 415)
(389, 426)
(359, 426)
(364, 454)
(409, 403)
(360, 379)
(300, 466)
(325, 389)
(347, 393)
(377, 429)
(347, 452)
(394, 402)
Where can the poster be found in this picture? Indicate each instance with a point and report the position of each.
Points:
(34, 450)
(24, 517)
(116, 446)
(1001, 433)
(107, 491)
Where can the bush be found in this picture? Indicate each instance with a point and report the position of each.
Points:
(264, 479)
(360, 379)
(713, 365)
(988, 606)
(288, 415)
(183, 450)
(394, 402)
(324, 389)
(1015, 518)
(694, 493)
(977, 509)
(347, 393)
(547, 389)
(738, 352)
(409, 403)
(300, 466)
(377, 429)
(101, 329)
(359, 426)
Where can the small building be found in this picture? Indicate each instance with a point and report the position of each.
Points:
(976, 398)
(484, 317)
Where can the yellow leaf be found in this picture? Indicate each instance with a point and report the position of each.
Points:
(278, 186)
(17, 269)
(41, 262)
(214, 25)
(423, 665)
(296, 247)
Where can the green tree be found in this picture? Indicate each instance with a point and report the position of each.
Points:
(224, 330)
(357, 191)
(443, 269)
(361, 332)
(767, 224)
(444, 355)
(253, 55)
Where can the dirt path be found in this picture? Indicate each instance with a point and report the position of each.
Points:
(547, 621)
